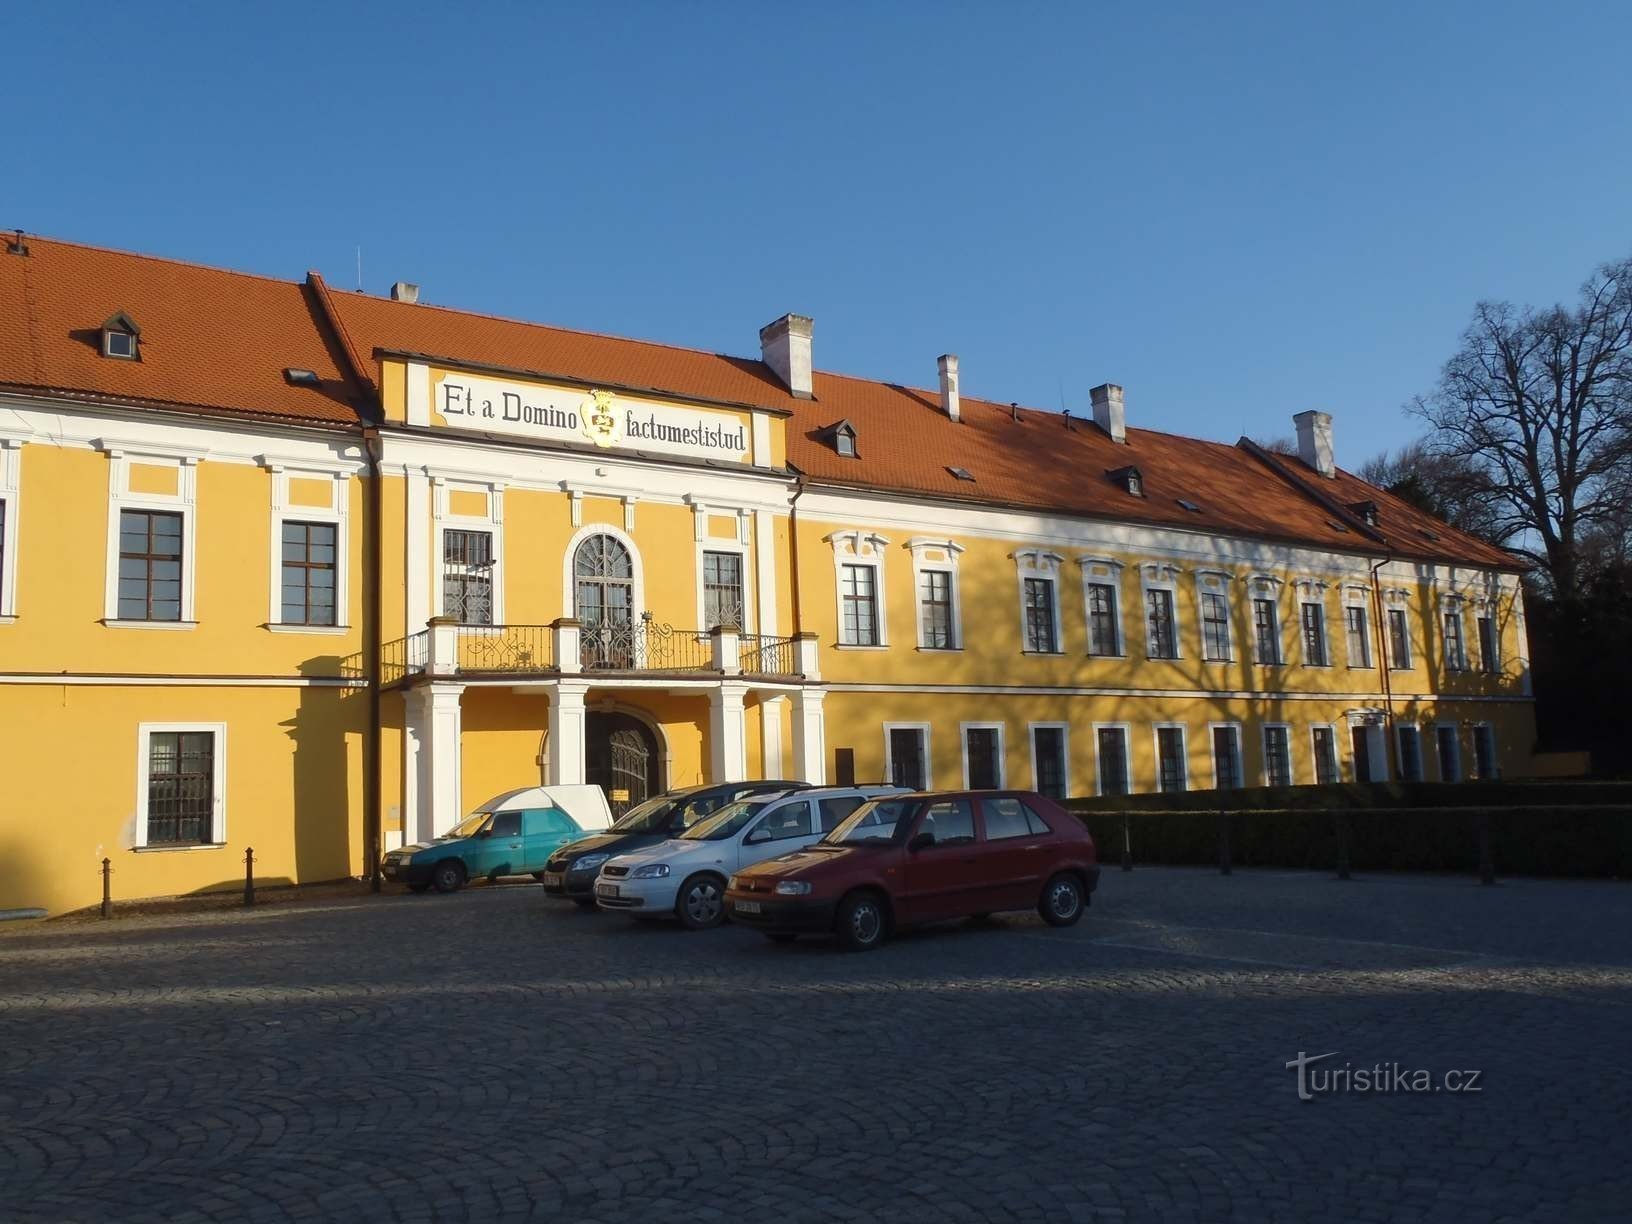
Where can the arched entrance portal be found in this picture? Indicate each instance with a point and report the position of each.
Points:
(621, 757)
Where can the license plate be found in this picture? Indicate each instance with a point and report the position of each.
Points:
(552, 878)
(606, 890)
(747, 907)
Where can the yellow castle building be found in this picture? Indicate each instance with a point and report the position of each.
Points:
(316, 572)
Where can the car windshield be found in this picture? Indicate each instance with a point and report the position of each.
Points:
(468, 826)
(649, 817)
(727, 822)
(877, 823)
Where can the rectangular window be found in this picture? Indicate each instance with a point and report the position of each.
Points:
(1102, 635)
(1456, 654)
(722, 589)
(1163, 639)
(1354, 625)
(1484, 752)
(1215, 627)
(859, 598)
(1170, 766)
(308, 573)
(1277, 756)
(844, 767)
(4, 602)
(1039, 597)
(1113, 760)
(1489, 657)
(908, 764)
(983, 758)
(1227, 758)
(181, 788)
(149, 565)
(1410, 754)
(935, 609)
(467, 576)
(1325, 756)
(1048, 755)
(1399, 640)
(1450, 754)
(1314, 635)
(1266, 628)
(835, 812)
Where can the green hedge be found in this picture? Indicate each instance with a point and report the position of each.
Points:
(1564, 837)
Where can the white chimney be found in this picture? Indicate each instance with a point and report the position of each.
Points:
(947, 363)
(785, 346)
(1108, 412)
(1315, 441)
(402, 291)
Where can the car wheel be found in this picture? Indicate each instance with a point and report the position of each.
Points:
(539, 876)
(701, 903)
(587, 903)
(1061, 902)
(781, 936)
(449, 876)
(420, 887)
(861, 922)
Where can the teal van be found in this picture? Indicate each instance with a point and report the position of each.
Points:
(511, 834)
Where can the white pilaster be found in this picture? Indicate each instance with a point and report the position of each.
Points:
(809, 736)
(770, 737)
(727, 733)
(417, 576)
(765, 568)
(433, 731)
(567, 721)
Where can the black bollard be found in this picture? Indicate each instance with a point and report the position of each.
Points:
(1342, 845)
(1127, 845)
(1487, 859)
(249, 875)
(1224, 865)
(107, 888)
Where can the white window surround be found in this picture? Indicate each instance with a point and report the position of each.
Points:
(1400, 730)
(1212, 755)
(1455, 605)
(941, 556)
(569, 585)
(1495, 752)
(218, 783)
(1127, 754)
(1039, 563)
(1291, 758)
(1064, 728)
(1337, 752)
(183, 502)
(1313, 591)
(1104, 571)
(744, 570)
(1216, 582)
(923, 729)
(1455, 772)
(1161, 576)
(336, 513)
(1183, 729)
(443, 520)
(860, 548)
(1002, 750)
(11, 464)
(1359, 597)
(1397, 600)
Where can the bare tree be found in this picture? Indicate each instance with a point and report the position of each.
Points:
(1451, 488)
(1539, 402)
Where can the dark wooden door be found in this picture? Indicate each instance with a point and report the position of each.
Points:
(1362, 753)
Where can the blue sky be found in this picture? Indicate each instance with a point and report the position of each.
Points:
(1238, 212)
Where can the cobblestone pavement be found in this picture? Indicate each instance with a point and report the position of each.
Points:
(494, 1054)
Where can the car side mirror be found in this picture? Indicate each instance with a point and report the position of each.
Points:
(921, 841)
(757, 836)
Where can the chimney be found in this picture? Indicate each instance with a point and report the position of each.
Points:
(947, 363)
(402, 291)
(785, 346)
(1108, 413)
(1315, 441)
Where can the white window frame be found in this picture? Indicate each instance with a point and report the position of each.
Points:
(1358, 597)
(1291, 759)
(444, 520)
(11, 479)
(1216, 582)
(1400, 728)
(218, 783)
(1495, 754)
(183, 502)
(739, 547)
(337, 515)
(1396, 600)
(860, 548)
(1337, 753)
(1103, 571)
(1240, 752)
(1160, 576)
(1183, 729)
(1041, 565)
(1002, 750)
(1126, 728)
(1439, 758)
(1064, 728)
(1454, 605)
(1267, 587)
(1312, 591)
(940, 556)
(923, 729)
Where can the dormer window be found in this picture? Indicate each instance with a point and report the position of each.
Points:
(121, 337)
(1130, 480)
(1365, 511)
(843, 438)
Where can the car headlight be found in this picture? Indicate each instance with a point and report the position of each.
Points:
(651, 871)
(793, 888)
(588, 862)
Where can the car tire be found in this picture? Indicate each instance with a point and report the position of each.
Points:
(448, 876)
(701, 902)
(1061, 902)
(585, 903)
(780, 936)
(861, 923)
(539, 876)
(420, 887)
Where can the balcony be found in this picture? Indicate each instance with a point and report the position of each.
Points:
(640, 648)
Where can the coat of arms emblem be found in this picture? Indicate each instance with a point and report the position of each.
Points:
(599, 421)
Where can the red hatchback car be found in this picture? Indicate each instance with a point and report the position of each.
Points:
(920, 858)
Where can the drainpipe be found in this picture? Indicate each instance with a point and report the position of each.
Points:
(1390, 753)
(373, 642)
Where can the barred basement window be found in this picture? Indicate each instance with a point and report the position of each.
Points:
(308, 573)
(149, 565)
(1170, 759)
(1410, 754)
(1113, 761)
(722, 589)
(181, 788)
(1226, 758)
(1325, 757)
(1048, 750)
(1277, 756)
